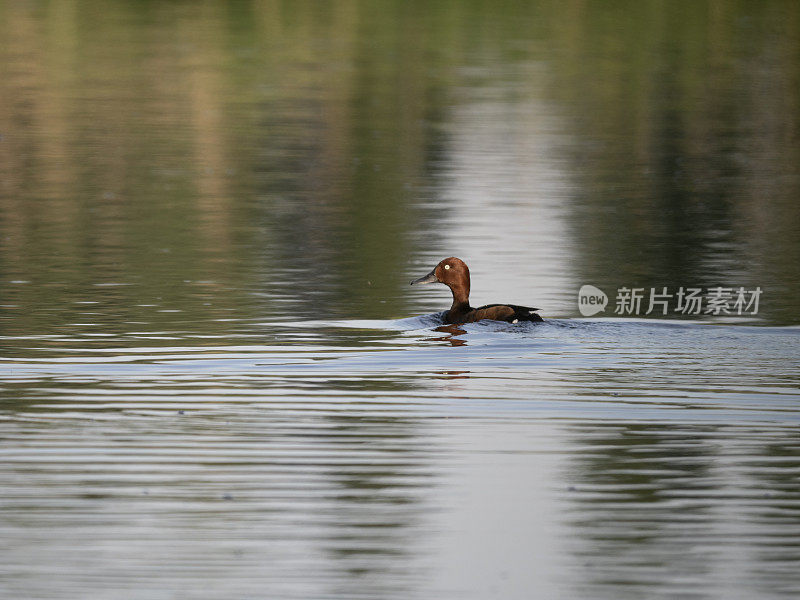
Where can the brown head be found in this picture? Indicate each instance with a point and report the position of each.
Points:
(454, 273)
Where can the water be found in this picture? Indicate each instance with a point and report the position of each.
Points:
(215, 380)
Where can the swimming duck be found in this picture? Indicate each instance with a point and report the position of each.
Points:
(454, 273)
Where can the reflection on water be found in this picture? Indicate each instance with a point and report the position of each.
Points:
(612, 460)
(209, 213)
(453, 335)
(652, 506)
(226, 162)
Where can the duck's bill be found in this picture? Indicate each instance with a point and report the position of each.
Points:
(429, 278)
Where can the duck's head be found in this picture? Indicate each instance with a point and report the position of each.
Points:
(453, 272)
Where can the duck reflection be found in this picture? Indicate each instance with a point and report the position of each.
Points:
(452, 331)
(453, 374)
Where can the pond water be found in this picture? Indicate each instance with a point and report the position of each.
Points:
(216, 382)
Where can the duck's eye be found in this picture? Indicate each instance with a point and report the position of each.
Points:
(447, 266)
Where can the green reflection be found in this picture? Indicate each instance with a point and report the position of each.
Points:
(263, 161)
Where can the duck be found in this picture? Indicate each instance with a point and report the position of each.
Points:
(454, 273)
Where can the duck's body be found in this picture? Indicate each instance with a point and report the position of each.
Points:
(510, 313)
(454, 273)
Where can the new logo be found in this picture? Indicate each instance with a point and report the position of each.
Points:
(591, 300)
